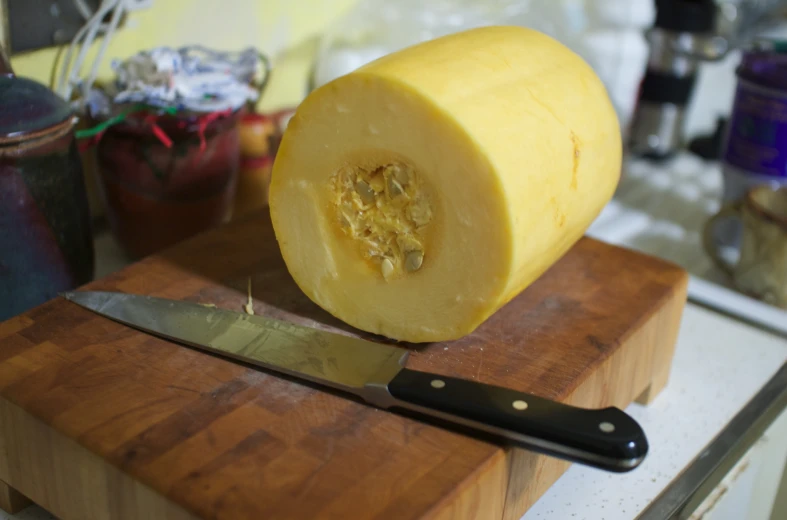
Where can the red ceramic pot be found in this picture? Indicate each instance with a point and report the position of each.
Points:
(156, 195)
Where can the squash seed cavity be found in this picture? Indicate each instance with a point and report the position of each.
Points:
(385, 211)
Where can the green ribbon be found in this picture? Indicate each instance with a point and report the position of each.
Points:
(90, 132)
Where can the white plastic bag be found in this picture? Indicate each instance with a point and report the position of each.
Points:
(607, 38)
(376, 27)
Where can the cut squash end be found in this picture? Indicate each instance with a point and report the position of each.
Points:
(414, 197)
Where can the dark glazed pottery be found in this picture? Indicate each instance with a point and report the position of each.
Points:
(46, 241)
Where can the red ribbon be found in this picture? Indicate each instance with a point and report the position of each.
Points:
(204, 121)
(157, 131)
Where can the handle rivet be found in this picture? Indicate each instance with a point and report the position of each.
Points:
(606, 427)
(438, 383)
(519, 404)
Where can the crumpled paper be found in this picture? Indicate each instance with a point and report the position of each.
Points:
(190, 78)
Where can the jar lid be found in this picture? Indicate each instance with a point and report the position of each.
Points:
(765, 64)
(27, 108)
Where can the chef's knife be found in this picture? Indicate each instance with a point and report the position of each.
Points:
(605, 438)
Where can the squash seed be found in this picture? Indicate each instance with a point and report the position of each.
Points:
(419, 212)
(377, 183)
(403, 176)
(397, 172)
(394, 188)
(365, 192)
(387, 268)
(414, 260)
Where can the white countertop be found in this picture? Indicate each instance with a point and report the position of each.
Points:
(719, 364)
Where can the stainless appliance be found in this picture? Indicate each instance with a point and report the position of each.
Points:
(685, 34)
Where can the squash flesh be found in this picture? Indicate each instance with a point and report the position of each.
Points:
(518, 148)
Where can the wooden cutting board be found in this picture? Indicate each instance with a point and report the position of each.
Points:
(98, 421)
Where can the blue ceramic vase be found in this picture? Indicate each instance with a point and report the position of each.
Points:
(46, 241)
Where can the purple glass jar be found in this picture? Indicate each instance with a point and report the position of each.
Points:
(755, 147)
(754, 150)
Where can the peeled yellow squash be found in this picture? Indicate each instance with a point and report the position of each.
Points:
(415, 196)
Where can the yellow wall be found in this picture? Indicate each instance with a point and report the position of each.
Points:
(283, 29)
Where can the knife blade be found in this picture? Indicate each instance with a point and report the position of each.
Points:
(607, 438)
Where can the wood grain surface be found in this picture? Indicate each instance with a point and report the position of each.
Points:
(100, 421)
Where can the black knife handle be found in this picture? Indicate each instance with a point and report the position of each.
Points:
(605, 438)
